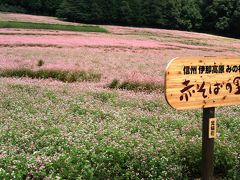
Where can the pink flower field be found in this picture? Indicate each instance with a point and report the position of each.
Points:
(126, 54)
(81, 105)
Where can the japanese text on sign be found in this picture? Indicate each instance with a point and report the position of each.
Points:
(215, 69)
(201, 82)
(215, 88)
(212, 128)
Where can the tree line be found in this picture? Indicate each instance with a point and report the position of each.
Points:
(214, 16)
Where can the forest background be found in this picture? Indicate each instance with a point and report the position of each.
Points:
(211, 16)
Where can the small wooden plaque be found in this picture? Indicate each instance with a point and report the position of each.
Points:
(212, 128)
(202, 82)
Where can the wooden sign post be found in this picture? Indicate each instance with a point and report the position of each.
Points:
(207, 145)
(203, 82)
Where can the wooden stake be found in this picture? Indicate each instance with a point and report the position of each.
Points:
(207, 145)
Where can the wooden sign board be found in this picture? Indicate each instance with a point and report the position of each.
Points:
(202, 82)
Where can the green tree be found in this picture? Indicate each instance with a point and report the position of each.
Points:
(172, 13)
(190, 17)
(152, 13)
(136, 12)
(66, 11)
(235, 19)
(96, 14)
(218, 15)
(125, 13)
(49, 7)
(75, 10)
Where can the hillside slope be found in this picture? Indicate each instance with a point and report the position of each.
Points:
(50, 129)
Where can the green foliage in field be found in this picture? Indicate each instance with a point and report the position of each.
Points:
(65, 76)
(136, 86)
(66, 134)
(31, 25)
(40, 63)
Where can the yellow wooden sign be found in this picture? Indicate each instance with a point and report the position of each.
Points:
(202, 82)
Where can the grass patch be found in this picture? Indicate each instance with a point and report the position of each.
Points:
(105, 97)
(195, 43)
(31, 25)
(136, 86)
(65, 76)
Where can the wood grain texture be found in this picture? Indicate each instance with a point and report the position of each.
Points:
(202, 82)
